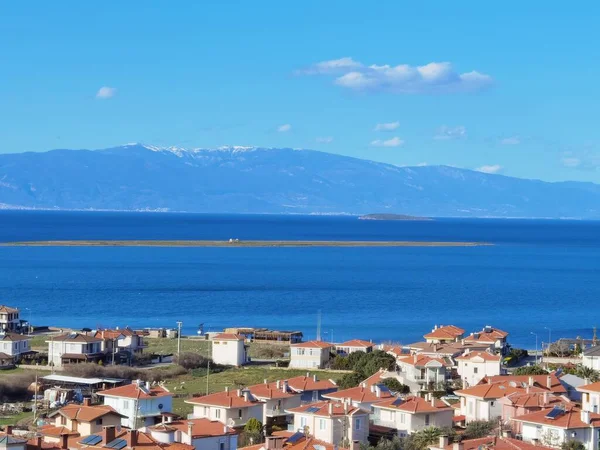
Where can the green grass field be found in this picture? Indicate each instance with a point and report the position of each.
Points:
(165, 346)
(195, 382)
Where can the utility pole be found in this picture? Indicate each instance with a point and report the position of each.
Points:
(536, 347)
(179, 323)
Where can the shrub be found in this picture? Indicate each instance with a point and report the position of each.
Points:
(479, 428)
(14, 388)
(530, 370)
(572, 445)
(350, 380)
(394, 385)
(253, 425)
(189, 360)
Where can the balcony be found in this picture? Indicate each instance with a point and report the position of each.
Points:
(275, 412)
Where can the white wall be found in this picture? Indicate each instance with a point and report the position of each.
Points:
(309, 358)
(223, 415)
(472, 371)
(593, 362)
(133, 408)
(591, 402)
(331, 430)
(228, 353)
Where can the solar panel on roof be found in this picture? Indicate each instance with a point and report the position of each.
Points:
(92, 440)
(117, 444)
(295, 437)
(312, 409)
(384, 388)
(556, 411)
(397, 402)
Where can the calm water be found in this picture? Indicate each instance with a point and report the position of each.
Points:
(539, 274)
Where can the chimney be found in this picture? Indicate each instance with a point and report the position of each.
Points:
(355, 445)
(148, 385)
(345, 407)
(163, 419)
(330, 409)
(432, 401)
(169, 419)
(444, 441)
(265, 381)
(506, 434)
(458, 446)
(585, 417)
(64, 441)
(415, 357)
(38, 442)
(315, 377)
(87, 401)
(363, 385)
(109, 434)
(549, 382)
(239, 392)
(307, 374)
(227, 389)
(246, 395)
(8, 429)
(132, 438)
(527, 389)
(274, 443)
(190, 429)
(278, 384)
(373, 388)
(530, 381)
(284, 387)
(378, 391)
(545, 398)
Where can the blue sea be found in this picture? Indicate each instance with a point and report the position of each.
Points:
(538, 275)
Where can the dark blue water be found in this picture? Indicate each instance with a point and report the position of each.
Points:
(538, 274)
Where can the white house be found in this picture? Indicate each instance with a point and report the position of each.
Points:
(202, 434)
(140, 403)
(423, 370)
(554, 426)
(362, 396)
(355, 345)
(121, 340)
(480, 402)
(332, 422)
(444, 334)
(310, 355)
(412, 414)
(473, 366)
(311, 387)
(591, 358)
(233, 408)
(496, 339)
(277, 397)
(13, 347)
(74, 348)
(590, 399)
(9, 319)
(229, 350)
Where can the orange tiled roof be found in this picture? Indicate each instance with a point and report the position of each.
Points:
(414, 405)
(308, 383)
(228, 337)
(445, 332)
(491, 391)
(486, 336)
(570, 419)
(8, 309)
(57, 431)
(541, 381)
(496, 443)
(533, 399)
(138, 392)
(361, 394)
(75, 337)
(227, 399)
(86, 413)
(271, 391)
(376, 378)
(321, 409)
(421, 360)
(356, 343)
(486, 356)
(200, 427)
(313, 344)
(594, 387)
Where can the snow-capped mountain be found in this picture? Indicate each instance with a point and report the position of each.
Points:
(240, 179)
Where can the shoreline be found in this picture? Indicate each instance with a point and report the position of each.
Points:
(236, 244)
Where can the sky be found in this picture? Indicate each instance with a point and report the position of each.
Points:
(509, 88)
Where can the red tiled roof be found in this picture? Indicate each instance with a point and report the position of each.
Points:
(376, 378)
(308, 383)
(421, 360)
(228, 337)
(532, 399)
(107, 334)
(361, 394)
(594, 387)
(313, 344)
(492, 391)
(540, 381)
(86, 413)
(138, 392)
(57, 431)
(227, 399)
(486, 336)
(356, 343)
(271, 391)
(445, 332)
(200, 427)
(570, 419)
(486, 356)
(321, 409)
(495, 443)
(413, 405)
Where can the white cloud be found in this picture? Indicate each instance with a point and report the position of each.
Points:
(324, 139)
(390, 126)
(106, 92)
(422, 164)
(393, 142)
(435, 77)
(284, 128)
(495, 168)
(571, 162)
(513, 140)
(445, 133)
(581, 160)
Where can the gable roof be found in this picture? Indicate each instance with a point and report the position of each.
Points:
(495, 443)
(227, 399)
(273, 390)
(592, 351)
(418, 360)
(361, 393)
(228, 337)
(136, 391)
(201, 428)
(86, 413)
(14, 337)
(8, 309)
(491, 391)
(593, 387)
(414, 405)
(490, 335)
(569, 420)
(308, 383)
(445, 332)
(321, 409)
(75, 337)
(313, 344)
(532, 399)
(485, 356)
(549, 382)
(356, 343)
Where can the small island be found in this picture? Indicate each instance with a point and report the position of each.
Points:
(392, 217)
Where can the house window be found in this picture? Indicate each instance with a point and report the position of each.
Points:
(239, 413)
(125, 404)
(426, 420)
(402, 418)
(300, 351)
(357, 424)
(63, 420)
(221, 445)
(491, 403)
(205, 411)
(302, 422)
(475, 369)
(218, 413)
(322, 424)
(98, 421)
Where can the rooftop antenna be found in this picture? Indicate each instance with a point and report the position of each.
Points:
(319, 326)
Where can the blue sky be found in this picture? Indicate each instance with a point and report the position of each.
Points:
(507, 87)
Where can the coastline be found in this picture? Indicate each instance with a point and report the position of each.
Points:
(236, 244)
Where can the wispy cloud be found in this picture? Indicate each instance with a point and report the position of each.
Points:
(106, 92)
(393, 142)
(583, 160)
(445, 133)
(284, 128)
(494, 168)
(513, 140)
(390, 126)
(324, 139)
(435, 77)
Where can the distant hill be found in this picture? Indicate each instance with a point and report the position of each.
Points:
(258, 180)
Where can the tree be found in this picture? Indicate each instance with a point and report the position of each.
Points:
(479, 428)
(189, 360)
(394, 385)
(587, 373)
(350, 380)
(572, 445)
(530, 370)
(252, 432)
(424, 438)
(253, 424)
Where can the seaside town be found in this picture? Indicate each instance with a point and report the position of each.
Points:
(255, 389)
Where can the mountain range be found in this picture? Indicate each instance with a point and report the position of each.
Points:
(261, 180)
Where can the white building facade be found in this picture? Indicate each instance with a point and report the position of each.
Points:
(229, 350)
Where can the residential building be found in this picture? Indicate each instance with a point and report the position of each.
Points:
(474, 366)
(74, 348)
(10, 320)
(591, 358)
(355, 345)
(555, 426)
(13, 347)
(423, 370)
(201, 434)
(140, 403)
(310, 355)
(550, 382)
(411, 414)
(448, 350)
(229, 350)
(311, 387)
(124, 340)
(83, 419)
(572, 383)
(125, 439)
(332, 422)
(590, 399)
(480, 402)
(522, 402)
(444, 334)
(277, 397)
(297, 441)
(488, 443)
(9, 441)
(362, 396)
(494, 338)
(231, 407)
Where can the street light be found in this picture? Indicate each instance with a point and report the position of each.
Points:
(179, 323)
(549, 338)
(536, 347)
